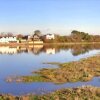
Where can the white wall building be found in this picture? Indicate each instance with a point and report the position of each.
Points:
(50, 36)
(8, 39)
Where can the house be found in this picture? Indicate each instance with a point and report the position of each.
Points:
(24, 39)
(50, 36)
(7, 39)
(30, 38)
(36, 37)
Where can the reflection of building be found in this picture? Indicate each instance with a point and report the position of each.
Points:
(37, 49)
(50, 50)
(8, 50)
(23, 49)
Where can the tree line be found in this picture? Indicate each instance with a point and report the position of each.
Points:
(75, 36)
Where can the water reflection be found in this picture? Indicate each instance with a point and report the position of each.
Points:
(8, 50)
(48, 49)
(22, 60)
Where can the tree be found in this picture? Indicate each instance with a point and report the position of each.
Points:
(37, 32)
(80, 36)
(19, 36)
(75, 32)
(9, 34)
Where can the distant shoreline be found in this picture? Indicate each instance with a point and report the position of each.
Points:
(27, 44)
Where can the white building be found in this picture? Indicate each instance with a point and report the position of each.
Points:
(8, 39)
(50, 36)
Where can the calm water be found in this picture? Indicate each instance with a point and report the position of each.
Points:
(19, 61)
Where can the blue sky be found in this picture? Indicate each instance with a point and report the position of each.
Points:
(54, 16)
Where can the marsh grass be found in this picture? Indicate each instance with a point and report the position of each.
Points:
(83, 70)
(80, 93)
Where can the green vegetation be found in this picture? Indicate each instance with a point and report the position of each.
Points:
(33, 78)
(76, 37)
(82, 93)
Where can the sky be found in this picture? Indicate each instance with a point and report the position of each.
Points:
(50, 16)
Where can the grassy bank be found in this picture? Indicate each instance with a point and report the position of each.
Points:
(82, 93)
(56, 43)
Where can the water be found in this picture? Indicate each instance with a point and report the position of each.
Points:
(19, 61)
